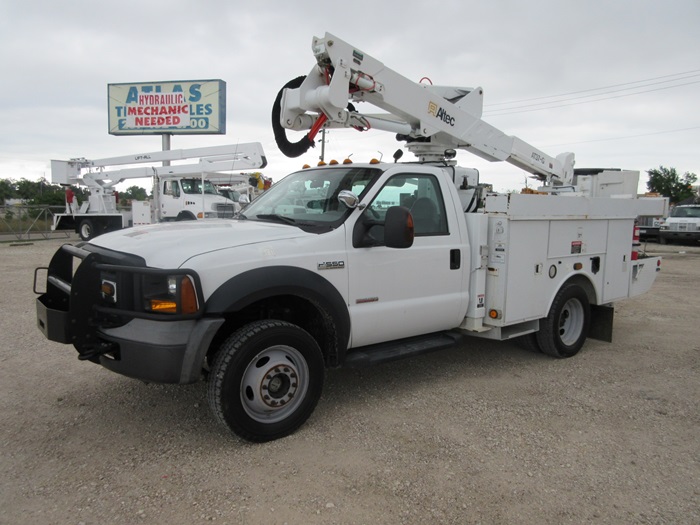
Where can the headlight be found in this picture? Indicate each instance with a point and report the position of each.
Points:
(663, 227)
(129, 292)
(169, 294)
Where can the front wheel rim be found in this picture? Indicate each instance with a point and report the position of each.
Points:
(571, 322)
(274, 384)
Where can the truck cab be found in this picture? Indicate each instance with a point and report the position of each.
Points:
(682, 225)
(189, 198)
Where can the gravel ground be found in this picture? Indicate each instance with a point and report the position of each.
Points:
(485, 433)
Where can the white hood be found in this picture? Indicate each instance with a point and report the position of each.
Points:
(169, 245)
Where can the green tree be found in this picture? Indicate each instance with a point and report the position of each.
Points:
(7, 190)
(49, 194)
(668, 183)
(26, 189)
(135, 193)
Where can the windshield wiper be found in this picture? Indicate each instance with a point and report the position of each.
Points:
(278, 218)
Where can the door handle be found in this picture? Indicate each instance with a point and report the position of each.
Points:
(455, 259)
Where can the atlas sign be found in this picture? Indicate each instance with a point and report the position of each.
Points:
(188, 107)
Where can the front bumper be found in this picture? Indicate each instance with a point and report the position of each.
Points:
(152, 351)
(153, 348)
(160, 352)
(679, 235)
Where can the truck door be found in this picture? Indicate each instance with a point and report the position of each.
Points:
(396, 293)
(170, 199)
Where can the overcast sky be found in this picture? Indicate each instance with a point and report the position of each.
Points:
(617, 82)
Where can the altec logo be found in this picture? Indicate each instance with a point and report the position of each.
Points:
(438, 112)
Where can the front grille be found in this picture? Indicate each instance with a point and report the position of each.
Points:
(224, 211)
(684, 227)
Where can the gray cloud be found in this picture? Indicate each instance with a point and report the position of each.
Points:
(58, 58)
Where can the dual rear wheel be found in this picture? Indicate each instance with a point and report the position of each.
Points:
(565, 329)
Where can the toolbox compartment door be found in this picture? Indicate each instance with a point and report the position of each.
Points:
(643, 275)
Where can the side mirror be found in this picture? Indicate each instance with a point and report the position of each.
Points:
(349, 199)
(398, 227)
(243, 200)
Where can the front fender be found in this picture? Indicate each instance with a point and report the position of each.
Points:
(262, 283)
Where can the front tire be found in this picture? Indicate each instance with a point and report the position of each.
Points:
(266, 380)
(565, 329)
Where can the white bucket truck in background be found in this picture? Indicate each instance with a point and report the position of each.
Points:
(180, 192)
(682, 225)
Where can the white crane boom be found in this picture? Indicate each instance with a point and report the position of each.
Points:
(212, 159)
(431, 119)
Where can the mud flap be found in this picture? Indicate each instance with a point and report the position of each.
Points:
(601, 322)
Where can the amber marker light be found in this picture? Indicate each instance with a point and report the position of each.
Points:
(108, 290)
(188, 296)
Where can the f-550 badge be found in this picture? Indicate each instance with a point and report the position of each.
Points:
(331, 265)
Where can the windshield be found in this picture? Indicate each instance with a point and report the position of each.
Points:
(686, 211)
(192, 186)
(310, 197)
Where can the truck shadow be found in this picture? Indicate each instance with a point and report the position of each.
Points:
(473, 359)
(115, 406)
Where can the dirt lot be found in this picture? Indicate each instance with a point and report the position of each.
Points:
(486, 433)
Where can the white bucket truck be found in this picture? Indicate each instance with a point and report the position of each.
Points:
(682, 225)
(180, 192)
(355, 264)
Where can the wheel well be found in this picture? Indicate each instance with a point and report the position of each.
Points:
(185, 216)
(301, 311)
(583, 282)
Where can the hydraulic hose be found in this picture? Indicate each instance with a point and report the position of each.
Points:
(291, 149)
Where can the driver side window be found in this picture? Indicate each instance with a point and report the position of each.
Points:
(421, 195)
(171, 187)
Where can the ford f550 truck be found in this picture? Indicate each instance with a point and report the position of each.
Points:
(354, 264)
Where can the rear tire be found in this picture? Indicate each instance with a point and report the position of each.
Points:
(565, 329)
(529, 343)
(86, 230)
(266, 380)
